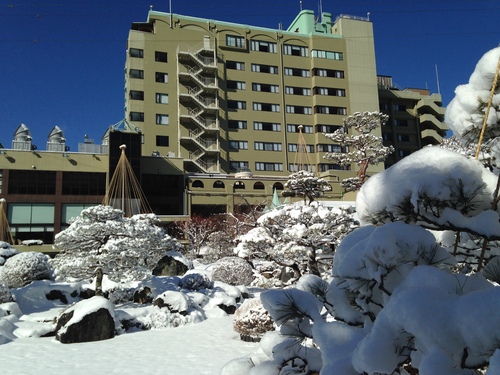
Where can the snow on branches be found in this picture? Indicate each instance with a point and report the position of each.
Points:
(306, 184)
(297, 236)
(364, 149)
(466, 112)
(120, 246)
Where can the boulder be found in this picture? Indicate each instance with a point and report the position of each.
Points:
(170, 266)
(87, 320)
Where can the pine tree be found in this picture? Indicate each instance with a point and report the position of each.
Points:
(364, 148)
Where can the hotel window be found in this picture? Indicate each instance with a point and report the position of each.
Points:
(330, 110)
(238, 145)
(264, 87)
(161, 98)
(219, 184)
(401, 122)
(328, 73)
(289, 49)
(268, 126)
(329, 91)
(258, 45)
(297, 91)
(136, 95)
(327, 128)
(161, 77)
(136, 52)
(306, 129)
(267, 146)
(235, 41)
(238, 165)
(161, 119)
(136, 116)
(403, 153)
(258, 186)
(239, 185)
(330, 167)
(136, 73)
(198, 184)
(331, 55)
(236, 104)
(261, 68)
(236, 85)
(299, 109)
(403, 138)
(399, 107)
(32, 182)
(327, 147)
(297, 72)
(260, 166)
(161, 56)
(293, 147)
(161, 141)
(294, 167)
(236, 65)
(83, 183)
(267, 107)
(235, 124)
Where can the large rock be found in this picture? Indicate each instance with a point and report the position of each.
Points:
(87, 320)
(170, 265)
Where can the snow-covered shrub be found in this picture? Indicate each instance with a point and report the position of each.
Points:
(124, 248)
(23, 268)
(195, 281)
(233, 271)
(434, 319)
(6, 251)
(252, 320)
(371, 263)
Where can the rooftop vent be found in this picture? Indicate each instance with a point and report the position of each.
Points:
(22, 139)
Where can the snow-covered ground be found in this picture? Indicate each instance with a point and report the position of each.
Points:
(201, 348)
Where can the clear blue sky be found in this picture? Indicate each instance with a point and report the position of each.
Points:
(62, 62)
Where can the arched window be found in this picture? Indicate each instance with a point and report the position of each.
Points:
(219, 184)
(198, 184)
(258, 186)
(278, 186)
(239, 185)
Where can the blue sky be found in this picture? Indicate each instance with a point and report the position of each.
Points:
(62, 62)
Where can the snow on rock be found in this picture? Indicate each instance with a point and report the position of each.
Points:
(434, 186)
(23, 268)
(251, 320)
(88, 320)
(174, 301)
(6, 251)
(233, 270)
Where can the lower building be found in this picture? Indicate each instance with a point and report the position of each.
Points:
(415, 119)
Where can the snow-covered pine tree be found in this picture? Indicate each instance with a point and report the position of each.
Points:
(306, 184)
(102, 238)
(364, 148)
(297, 236)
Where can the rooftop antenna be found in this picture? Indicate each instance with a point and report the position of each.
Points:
(170, 10)
(301, 5)
(437, 80)
(320, 11)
